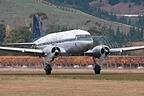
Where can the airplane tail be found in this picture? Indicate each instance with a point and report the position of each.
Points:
(37, 28)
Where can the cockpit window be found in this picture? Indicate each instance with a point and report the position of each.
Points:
(84, 37)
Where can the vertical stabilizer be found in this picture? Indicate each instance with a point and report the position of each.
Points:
(37, 28)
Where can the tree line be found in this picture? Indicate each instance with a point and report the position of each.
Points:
(2, 32)
(23, 33)
(135, 34)
(82, 5)
(114, 2)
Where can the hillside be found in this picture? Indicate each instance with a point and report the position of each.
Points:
(13, 11)
(121, 7)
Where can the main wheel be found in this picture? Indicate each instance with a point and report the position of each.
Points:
(97, 69)
(48, 69)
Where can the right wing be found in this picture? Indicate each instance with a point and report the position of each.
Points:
(49, 52)
(18, 44)
(22, 51)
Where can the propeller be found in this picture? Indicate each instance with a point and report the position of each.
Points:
(51, 52)
(101, 58)
(105, 53)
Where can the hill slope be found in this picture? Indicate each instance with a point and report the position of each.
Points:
(13, 11)
(126, 7)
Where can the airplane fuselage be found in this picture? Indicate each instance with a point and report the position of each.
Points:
(73, 41)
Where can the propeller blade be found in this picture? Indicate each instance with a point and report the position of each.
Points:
(101, 58)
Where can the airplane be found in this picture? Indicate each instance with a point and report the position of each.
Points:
(67, 43)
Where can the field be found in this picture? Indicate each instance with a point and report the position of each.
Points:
(71, 82)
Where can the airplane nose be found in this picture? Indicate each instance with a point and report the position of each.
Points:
(83, 46)
(87, 45)
(90, 44)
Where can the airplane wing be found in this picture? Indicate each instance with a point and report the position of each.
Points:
(102, 51)
(9, 44)
(22, 51)
(114, 50)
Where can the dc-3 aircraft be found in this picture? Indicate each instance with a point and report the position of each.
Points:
(67, 43)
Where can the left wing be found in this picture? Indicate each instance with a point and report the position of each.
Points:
(113, 50)
(102, 51)
(22, 51)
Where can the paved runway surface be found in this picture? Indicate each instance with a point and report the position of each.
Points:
(67, 71)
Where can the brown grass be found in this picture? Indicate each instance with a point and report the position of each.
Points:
(42, 85)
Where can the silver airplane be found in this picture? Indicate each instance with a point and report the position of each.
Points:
(67, 43)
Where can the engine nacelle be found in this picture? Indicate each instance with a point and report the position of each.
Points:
(100, 50)
(51, 52)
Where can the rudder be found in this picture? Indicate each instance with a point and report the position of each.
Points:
(37, 28)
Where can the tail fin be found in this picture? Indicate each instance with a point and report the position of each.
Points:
(37, 28)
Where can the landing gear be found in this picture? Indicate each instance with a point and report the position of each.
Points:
(48, 69)
(96, 67)
(47, 66)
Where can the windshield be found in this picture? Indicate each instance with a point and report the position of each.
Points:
(84, 37)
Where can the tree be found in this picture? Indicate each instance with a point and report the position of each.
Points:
(129, 22)
(123, 20)
(125, 1)
(41, 14)
(141, 21)
(113, 2)
(18, 35)
(118, 35)
(2, 33)
(94, 31)
(134, 34)
(7, 30)
(137, 1)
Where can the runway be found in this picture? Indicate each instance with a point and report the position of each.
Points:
(36, 71)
